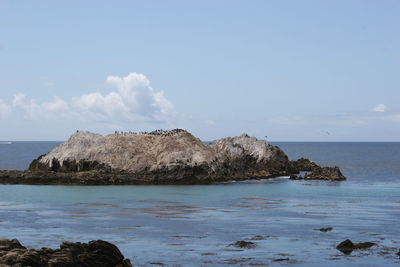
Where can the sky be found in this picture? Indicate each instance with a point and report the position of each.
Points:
(288, 70)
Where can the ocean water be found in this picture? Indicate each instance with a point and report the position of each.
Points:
(196, 225)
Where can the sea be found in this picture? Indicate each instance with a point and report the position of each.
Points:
(197, 225)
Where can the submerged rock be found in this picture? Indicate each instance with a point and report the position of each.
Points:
(347, 246)
(325, 229)
(259, 237)
(244, 244)
(94, 253)
(281, 259)
(325, 173)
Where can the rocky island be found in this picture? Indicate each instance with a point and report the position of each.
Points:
(162, 157)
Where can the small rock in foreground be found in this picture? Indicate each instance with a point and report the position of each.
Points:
(94, 253)
(347, 246)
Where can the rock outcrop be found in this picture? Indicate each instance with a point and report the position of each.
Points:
(347, 246)
(325, 173)
(94, 253)
(321, 173)
(304, 164)
(243, 244)
(159, 157)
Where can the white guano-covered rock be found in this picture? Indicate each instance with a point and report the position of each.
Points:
(240, 156)
(132, 152)
(234, 147)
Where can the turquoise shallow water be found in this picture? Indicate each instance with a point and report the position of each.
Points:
(195, 225)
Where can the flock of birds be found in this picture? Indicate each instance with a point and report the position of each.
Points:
(156, 132)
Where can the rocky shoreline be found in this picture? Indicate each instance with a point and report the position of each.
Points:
(162, 157)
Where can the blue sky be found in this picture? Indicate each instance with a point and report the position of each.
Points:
(291, 70)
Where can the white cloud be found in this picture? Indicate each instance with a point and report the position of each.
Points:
(95, 104)
(131, 99)
(30, 108)
(379, 108)
(4, 109)
(57, 105)
(19, 100)
(138, 98)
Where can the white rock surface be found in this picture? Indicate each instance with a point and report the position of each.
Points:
(234, 147)
(137, 152)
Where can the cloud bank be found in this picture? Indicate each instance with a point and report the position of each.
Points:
(131, 98)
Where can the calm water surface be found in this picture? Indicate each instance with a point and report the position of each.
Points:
(195, 225)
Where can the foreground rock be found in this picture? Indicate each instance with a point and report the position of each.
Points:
(159, 157)
(347, 246)
(94, 253)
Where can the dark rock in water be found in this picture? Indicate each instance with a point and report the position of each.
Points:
(244, 244)
(281, 259)
(157, 263)
(295, 177)
(364, 245)
(326, 229)
(317, 172)
(325, 173)
(304, 164)
(94, 253)
(398, 253)
(347, 246)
